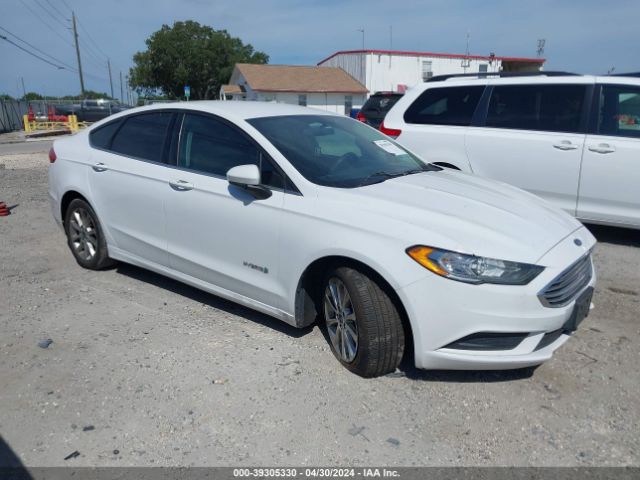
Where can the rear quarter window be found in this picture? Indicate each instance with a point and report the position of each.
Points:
(445, 106)
(101, 137)
(143, 136)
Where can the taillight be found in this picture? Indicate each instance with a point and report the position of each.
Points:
(360, 117)
(52, 155)
(391, 132)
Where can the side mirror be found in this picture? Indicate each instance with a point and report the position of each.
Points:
(247, 177)
(244, 175)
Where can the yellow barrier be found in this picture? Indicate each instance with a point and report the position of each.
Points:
(71, 125)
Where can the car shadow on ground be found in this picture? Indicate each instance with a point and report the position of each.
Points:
(616, 235)
(211, 300)
(407, 368)
(466, 376)
(11, 467)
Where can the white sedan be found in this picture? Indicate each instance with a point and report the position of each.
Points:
(305, 215)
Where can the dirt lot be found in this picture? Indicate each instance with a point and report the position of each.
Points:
(145, 371)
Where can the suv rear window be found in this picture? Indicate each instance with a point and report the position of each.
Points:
(445, 106)
(551, 108)
(381, 103)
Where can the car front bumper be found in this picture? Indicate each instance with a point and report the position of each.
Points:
(442, 312)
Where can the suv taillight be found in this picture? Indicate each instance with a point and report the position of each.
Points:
(52, 155)
(360, 117)
(391, 132)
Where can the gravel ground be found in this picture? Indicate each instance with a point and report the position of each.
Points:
(146, 371)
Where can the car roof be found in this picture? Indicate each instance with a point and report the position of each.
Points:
(242, 110)
(488, 78)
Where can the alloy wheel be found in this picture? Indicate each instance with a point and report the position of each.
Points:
(83, 234)
(341, 321)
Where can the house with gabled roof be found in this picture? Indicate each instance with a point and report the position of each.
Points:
(327, 88)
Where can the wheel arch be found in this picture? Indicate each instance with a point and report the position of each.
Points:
(309, 292)
(66, 200)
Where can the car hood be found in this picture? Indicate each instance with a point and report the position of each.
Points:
(458, 211)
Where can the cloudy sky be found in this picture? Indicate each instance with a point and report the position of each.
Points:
(586, 36)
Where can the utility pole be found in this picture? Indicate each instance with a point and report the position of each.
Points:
(24, 91)
(75, 36)
(110, 79)
(121, 95)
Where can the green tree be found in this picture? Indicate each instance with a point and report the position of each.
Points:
(94, 95)
(189, 54)
(5, 96)
(30, 96)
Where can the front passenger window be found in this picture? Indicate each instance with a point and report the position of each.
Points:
(211, 146)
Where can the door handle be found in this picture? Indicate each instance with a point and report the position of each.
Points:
(602, 148)
(181, 185)
(565, 145)
(99, 167)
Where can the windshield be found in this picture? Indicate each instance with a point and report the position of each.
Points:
(338, 151)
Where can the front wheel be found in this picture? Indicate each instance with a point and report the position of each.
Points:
(363, 325)
(84, 236)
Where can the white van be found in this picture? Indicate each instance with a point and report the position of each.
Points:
(573, 140)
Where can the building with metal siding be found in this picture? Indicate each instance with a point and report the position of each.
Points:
(393, 70)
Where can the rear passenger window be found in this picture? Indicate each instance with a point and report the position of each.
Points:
(101, 137)
(551, 108)
(143, 136)
(211, 146)
(445, 106)
(619, 112)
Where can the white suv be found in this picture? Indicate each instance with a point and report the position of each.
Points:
(573, 140)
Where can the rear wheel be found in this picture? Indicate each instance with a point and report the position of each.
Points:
(84, 236)
(363, 325)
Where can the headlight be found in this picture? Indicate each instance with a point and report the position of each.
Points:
(472, 269)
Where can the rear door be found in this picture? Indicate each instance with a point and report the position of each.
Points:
(532, 137)
(610, 179)
(129, 182)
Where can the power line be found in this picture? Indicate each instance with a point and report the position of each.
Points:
(67, 5)
(37, 49)
(48, 12)
(57, 11)
(91, 39)
(46, 23)
(31, 53)
(60, 65)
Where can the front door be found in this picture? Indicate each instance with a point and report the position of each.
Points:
(219, 233)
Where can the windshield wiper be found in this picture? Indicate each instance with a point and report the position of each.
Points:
(381, 176)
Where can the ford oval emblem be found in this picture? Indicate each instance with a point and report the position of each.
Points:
(577, 241)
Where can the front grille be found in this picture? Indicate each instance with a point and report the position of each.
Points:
(566, 286)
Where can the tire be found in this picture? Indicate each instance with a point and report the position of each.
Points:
(379, 335)
(85, 237)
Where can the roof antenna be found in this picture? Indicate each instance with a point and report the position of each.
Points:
(541, 42)
(466, 62)
(361, 30)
